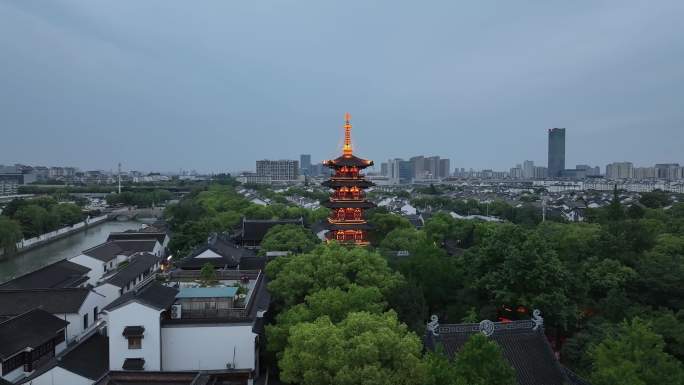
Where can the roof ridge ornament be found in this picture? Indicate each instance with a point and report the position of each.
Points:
(433, 325)
(487, 327)
(537, 319)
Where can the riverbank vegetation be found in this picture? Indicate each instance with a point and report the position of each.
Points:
(39, 216)
(139, 198)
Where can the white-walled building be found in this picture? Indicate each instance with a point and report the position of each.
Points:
(134, 327)
(79, 307)
(107, 256)
(27, 341)
(140, 270)
(186, 327)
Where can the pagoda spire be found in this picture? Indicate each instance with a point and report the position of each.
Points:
(347, 150)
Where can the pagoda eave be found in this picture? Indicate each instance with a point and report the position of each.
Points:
(361, 183)
(348, 161)
(348, 204)
(348, 226)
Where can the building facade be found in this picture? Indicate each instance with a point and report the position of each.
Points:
(277, 170)
(305, 164)
(556, 152)
(620, 170)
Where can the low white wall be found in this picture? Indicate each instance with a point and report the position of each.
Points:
(109, 291)
(59, 232)
(96, 267)
(59, 376)
(208, 347)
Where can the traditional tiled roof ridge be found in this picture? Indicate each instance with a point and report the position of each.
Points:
(523, 344)
(487, 327)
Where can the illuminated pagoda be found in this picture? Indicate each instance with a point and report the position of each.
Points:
(347, 203)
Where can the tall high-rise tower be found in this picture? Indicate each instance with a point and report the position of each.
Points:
(347, 203)
(556, 152)
(305, 164)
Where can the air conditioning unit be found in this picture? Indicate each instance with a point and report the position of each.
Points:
(176, 311)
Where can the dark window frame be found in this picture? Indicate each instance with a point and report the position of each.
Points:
(131, 342)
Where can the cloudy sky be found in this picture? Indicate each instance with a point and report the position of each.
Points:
(215, 85)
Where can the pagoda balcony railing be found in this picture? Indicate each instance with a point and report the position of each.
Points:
(348, 177)
(347, 221)
(347, 198)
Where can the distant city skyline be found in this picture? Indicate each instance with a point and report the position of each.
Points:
(145, 85)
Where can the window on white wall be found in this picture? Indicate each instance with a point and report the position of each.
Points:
(135, 342)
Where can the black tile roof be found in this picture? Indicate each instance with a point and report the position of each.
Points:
(252, 263)
(154, 295)
(139, 264)
(230, 254)
(89, 359)
(213, 377)
(132, 235)
(62, 273)
(134, 364)
(349, 161)
(54, 301)
(525, 348)
(109, 250)
(416, 220)
(29, 329)
(256, 229)
(133, 331)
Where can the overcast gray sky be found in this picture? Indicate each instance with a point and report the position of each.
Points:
(215, 85)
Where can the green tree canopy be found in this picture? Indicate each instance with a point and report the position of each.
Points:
(383, 223)
(328, 266)
(335, 303)
(293, 238)
(655, 199)
(34, 220)
(10, 234)
(363, 349)
(68, 213)
(516, 267)
(208, 274)
(634, 356)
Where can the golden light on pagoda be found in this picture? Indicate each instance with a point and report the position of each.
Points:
(347, 150)
(347, 202)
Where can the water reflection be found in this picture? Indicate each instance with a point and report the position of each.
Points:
(64, 248)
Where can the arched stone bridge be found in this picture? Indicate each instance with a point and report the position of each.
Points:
(130, 213)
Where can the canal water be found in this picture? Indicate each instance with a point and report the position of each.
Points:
(67, 247)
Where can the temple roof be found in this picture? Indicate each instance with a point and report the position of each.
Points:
(522, 343)
(348, 161)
